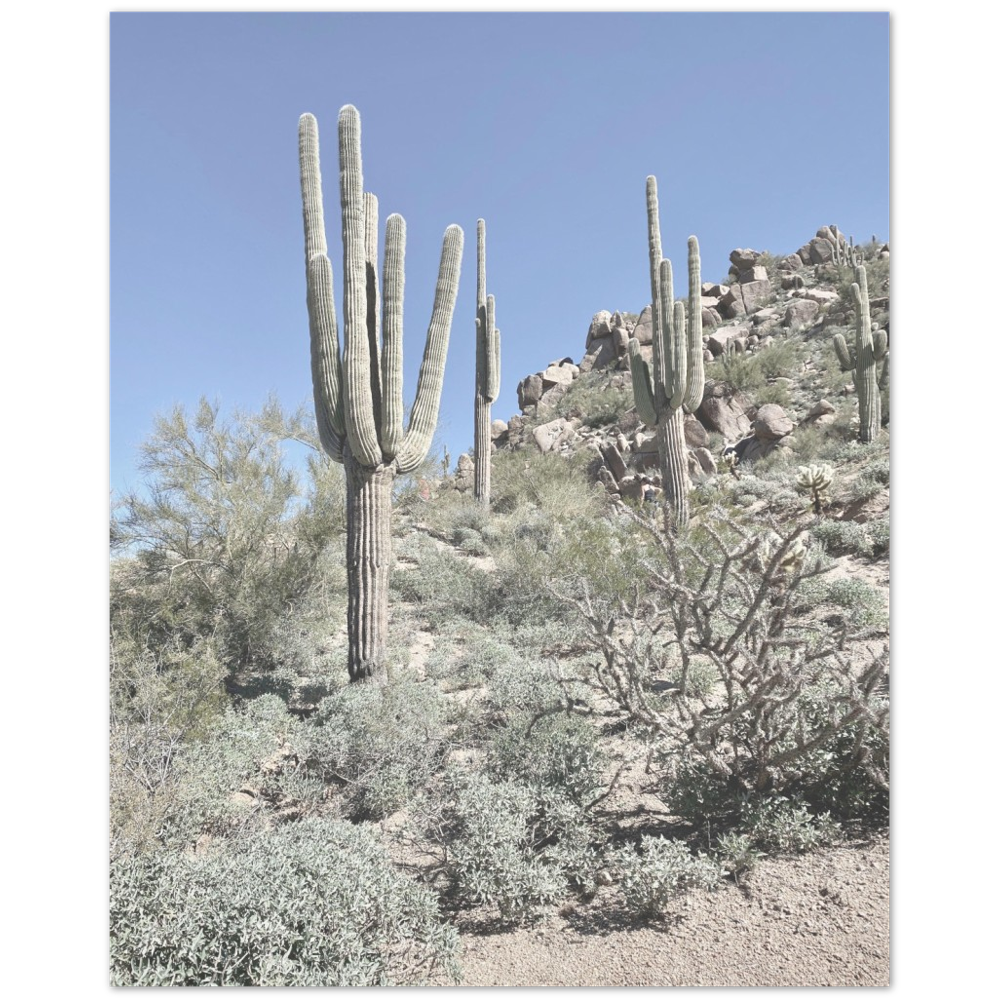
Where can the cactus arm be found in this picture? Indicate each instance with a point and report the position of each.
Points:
(642, 388)
(359, 412)
(843, 354)
(880, 343)
(494, 383)
(372, 302)
(678, 350)
(695, 347)
(428, 398)
(323, 335)
(325, 356)
(491, 354)
(655, 257)
(883, 379)
(312, 191)
(673, 361)
(393, 280)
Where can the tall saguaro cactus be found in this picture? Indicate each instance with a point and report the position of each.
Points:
(677, 381)
(487, 370)
(359, 397)
(870, 347)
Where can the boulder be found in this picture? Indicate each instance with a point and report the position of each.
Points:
(764, 315)
(600, 354)
(719, 337)
(820, 295)
(743, 259)
(710, 318)
(731, 304)
(529, 391)
(792, 281)
(790, 263)
(614, 461)
(724, 410)
(715, 291)
(600, 326)
(820, 251)
(755, 294)
(643, 331)
(497, 429)
(548, 435)
(800, 312)
(552, 395)
(695, 436)
(705, 461)
(771, 423)
(619, 340)
(755, 273)
(558, 374)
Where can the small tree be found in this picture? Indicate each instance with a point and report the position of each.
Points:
(221, 540)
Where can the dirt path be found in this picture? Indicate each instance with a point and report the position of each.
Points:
(818, 920)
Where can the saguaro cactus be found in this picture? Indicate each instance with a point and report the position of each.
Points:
(870, 347)
(359, 397)
(487, 370)
(677, 381)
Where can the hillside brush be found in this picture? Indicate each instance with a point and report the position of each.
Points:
(487, 371)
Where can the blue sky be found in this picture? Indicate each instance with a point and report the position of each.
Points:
(759, 128)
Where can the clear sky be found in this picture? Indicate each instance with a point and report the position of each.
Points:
(759, 128)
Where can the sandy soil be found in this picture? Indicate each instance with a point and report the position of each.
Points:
(818, 920)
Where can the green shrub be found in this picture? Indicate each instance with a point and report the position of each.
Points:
(512, 846)
(382, 743)
(843, 536)
(315, 903)
(864, 604)
(663, 870)
(781, 825)
(555, 751)
(594, 401)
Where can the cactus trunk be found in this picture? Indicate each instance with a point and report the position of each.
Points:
(487, 372)
(673, 464)
(369, 558)
(481, 449)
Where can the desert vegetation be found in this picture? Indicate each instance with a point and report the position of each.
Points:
(345, 744)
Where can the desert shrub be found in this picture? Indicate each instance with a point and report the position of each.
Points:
(594, 401)
(864, 604)
(315, 903)
(737, 855)
(843, 536)
(878, 531)
(445, 585)
(474, 662)
(561, 752)
(513, 846)
(661, 871)
(749, 602)
(209, 773)
(381, 743)
(739, 370)
(781, 825)
(773, 392)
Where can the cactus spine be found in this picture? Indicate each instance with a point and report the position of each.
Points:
(870, 347)
(677, 380)
(487, 370)
(359, 397)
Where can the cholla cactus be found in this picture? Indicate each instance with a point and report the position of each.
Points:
(677, 381)
(730, 460)
(870, 347)
(487, 371)
(816, 479)
(359, 397)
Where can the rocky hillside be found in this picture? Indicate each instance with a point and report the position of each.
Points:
(771, 373)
